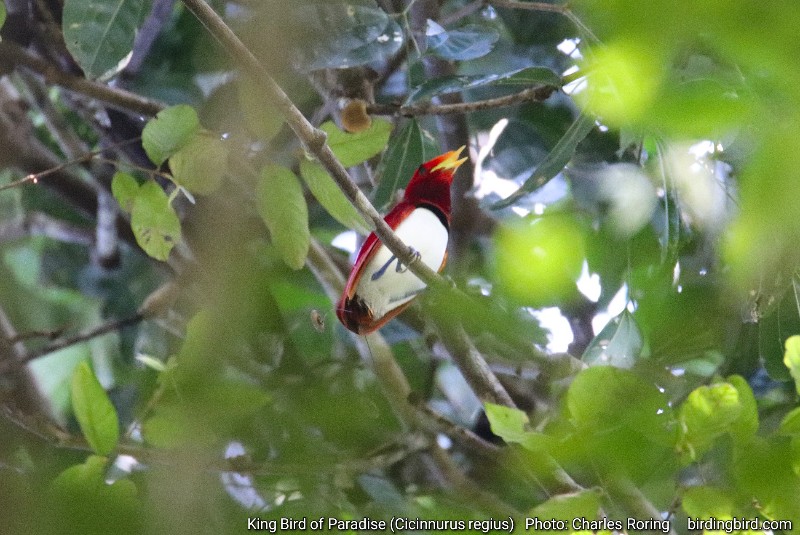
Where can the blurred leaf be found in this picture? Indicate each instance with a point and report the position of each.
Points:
(707, 502)
(260, 116)
(283, 208)
(594, 397)
(200, 164)
(168, 131)
(331, 197)
(94, 411)
(343, 35)
(708, 413)
(554, 162)
(353, 149)
(522, 78)
(406, 152)
(80, 500)
(124, 187)
(637, 442)
(154, 222)
(618, 344)
(746, 424)
(99, 33)
(467, 42)
(792, 359)
(2, 15)
(583, 504)
(790, 425)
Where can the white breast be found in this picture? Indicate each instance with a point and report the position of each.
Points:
(382, 287)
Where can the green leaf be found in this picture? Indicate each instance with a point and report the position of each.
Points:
(406, 151)
(554, 162)
(353, 149)
(283, 208)
(99, 33)
(528, 77)
(124, 187)
(583, 504)
(594, 400)
(154, 222)
(507, 423)
(260, 116)
(94, 411)
(790, 425)
(746, 424)
(168, 131)
(2, 16)
(468, 42)
(331, 197)
(200, 164)
(707, 502)
(618, 344)
(80, 500)
(792, 359)
(708, 413)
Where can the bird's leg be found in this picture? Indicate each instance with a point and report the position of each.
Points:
(400, 267)
(415, 257)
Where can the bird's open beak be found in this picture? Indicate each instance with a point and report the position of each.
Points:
(449, 160)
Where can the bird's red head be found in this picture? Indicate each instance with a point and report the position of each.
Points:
(431, 181)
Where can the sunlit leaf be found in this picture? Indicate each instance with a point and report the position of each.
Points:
(509, 424)
(99, 33)
(746, 424)
(2, 15)
(707, 502)
(708, 413)
(554, 162)
(94, 411)
(790, 425)
(792, 358)
(407, 150)
(618, 344)
(154, 222)
(353, 149)
(124, 187)
(168, 131)
(331, 197)
(527, 77)
(468, 42)
(200, 164)
(283, 208)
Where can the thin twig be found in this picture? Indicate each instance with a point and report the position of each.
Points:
(533, 94)
(62, 343)
(34, 178)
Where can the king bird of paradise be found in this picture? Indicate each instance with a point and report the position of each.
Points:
(379, 287)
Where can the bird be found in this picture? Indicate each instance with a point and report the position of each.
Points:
(380, 287)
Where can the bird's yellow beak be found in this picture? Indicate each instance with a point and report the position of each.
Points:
(449, 160)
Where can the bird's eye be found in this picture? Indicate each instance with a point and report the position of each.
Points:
(422, 170)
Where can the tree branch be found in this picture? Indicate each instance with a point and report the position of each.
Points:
(94, 332)
(533, 94)
(117, 98)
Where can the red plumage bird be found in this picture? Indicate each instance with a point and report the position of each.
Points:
(379, 288)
